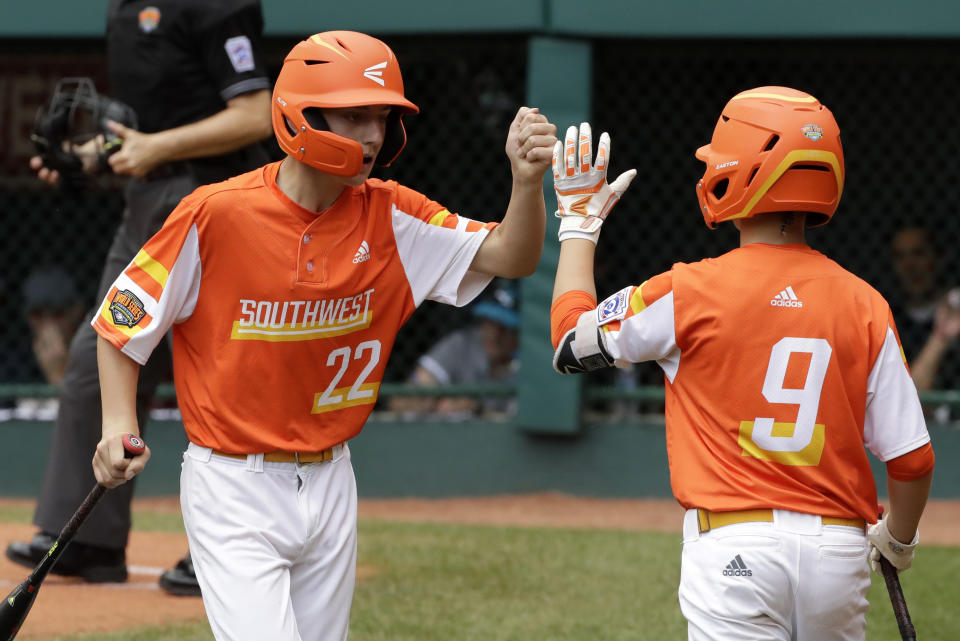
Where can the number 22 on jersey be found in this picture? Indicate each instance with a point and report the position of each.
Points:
(359, 392)
(801, 442)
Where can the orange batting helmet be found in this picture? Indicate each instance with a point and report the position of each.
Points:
(774, 149)
(331, 70)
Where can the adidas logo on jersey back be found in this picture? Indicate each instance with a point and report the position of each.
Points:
(737, 568)
(786, 298)
(363, 253)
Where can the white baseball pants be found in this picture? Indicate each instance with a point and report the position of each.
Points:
(274, 545)
(790, 580)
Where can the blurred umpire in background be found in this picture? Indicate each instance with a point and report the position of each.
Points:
(194, 76)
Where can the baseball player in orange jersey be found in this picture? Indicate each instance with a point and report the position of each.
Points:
(285, 288)
(780, 366)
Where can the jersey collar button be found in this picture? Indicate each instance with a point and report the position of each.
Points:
(309, 265)
(306, 238)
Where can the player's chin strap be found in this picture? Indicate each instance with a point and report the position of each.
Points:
(582, 349)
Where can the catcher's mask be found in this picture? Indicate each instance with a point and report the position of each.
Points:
(331, 70)
(74, 115)
(774, 149)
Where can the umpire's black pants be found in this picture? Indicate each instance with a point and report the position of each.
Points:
(69, 474)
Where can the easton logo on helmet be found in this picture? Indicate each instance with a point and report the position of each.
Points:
(375, 73)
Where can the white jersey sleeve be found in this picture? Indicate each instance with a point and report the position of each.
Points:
(644, 331)
(436, 256)
(893, 423)
(157, 289)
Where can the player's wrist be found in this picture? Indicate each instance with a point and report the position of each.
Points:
(905, 535)
(118, 427)
(578, 227)
(579, 235)
(527, 176)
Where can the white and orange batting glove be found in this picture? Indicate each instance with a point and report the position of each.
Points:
(882, 542)
(583, 196)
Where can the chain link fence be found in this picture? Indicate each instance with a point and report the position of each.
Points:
(659, 99)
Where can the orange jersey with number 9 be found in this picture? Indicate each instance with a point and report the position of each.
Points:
(780, 367)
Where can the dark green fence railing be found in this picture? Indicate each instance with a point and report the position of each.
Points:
(652, 394)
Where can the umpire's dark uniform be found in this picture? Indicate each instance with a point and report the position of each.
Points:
(175, 62)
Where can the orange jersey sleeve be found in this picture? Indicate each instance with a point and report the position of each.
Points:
(912, 465)
(566, 310)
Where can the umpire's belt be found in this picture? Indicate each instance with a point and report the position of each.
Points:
(707, 520)
(291, 457)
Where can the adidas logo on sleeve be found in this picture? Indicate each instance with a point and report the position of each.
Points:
(737, 567)
(786, 298)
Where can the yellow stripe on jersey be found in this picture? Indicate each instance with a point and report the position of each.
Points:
(808, 456)
(340, 398)
(636, 299)
(158, 272)
(439, 217)
(106, 316)
(296, 332)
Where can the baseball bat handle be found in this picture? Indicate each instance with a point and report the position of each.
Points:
(132, 446)
(897, 600)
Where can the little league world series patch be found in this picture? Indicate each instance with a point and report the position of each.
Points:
(126, 308)
(613, 307)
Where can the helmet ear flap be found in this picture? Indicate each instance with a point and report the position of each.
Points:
(284, 125)
(342, 156)
(289, 126)
(719, 188)
(313, 143)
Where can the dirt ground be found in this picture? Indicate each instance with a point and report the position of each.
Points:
(70, 606)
